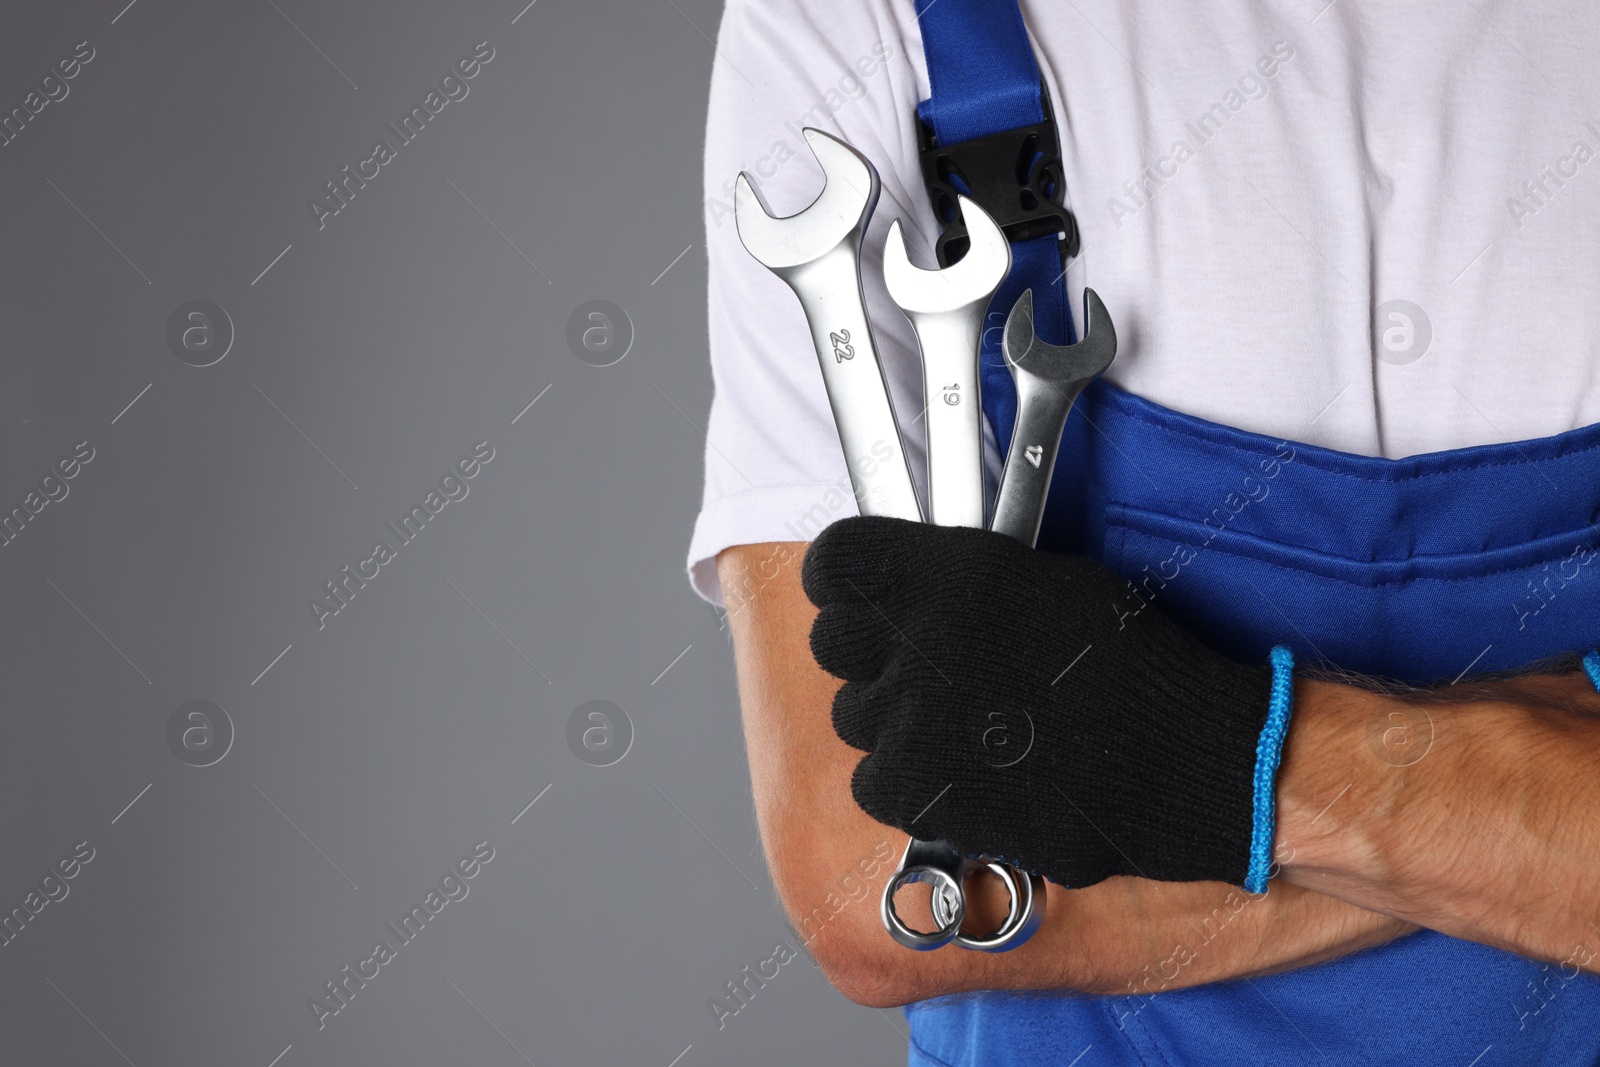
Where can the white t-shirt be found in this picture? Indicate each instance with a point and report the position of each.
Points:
(1371, 227)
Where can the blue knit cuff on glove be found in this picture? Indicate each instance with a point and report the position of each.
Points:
(1269, 752)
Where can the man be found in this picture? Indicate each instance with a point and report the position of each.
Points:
(1350, 250)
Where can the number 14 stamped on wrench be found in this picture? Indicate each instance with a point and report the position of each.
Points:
(817, 253)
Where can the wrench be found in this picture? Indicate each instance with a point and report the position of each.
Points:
(1049, 379)
(946, 309)
(817, 253)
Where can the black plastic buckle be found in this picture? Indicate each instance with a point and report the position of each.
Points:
(1014, 175)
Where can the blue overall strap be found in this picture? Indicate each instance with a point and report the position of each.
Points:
(983, 80)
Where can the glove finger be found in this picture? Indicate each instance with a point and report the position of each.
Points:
(858, 558)
(872, 793)
(852, 640)
(860, 709)
(915, 803)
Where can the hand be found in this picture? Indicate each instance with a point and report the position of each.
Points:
(1028, 706)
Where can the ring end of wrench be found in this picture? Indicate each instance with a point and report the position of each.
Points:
(940, 866)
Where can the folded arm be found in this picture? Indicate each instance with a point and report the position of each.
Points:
(1491, 832)
(830, 860)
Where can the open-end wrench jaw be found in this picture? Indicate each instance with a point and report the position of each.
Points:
(971, 280)
(1069, 367)
(836, 218)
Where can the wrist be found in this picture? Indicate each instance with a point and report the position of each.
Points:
(1330, 783)
(1365, 776)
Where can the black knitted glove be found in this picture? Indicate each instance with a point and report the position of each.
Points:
(1030, 706)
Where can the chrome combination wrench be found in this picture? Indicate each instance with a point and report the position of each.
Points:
(817, 253)
(1049, 379)
(946, 309)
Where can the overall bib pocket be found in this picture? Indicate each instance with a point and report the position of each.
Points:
(1416, 618)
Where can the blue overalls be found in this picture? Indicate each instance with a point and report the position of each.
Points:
(1414, 569)
(1409, 568)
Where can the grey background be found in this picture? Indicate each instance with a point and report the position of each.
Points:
(371, 355)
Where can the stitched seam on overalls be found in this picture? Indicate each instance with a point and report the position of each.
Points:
(1150, 1040)
(1313, 460)
(1125, 519)
(1343, 581)
(925, 1054)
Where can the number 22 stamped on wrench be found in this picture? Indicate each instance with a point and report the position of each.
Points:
(817, 253)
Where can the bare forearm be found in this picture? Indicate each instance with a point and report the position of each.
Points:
(1125, 935)
(1492, 835)
(1139, 937)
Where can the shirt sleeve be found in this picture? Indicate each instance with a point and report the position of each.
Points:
(774, 470)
